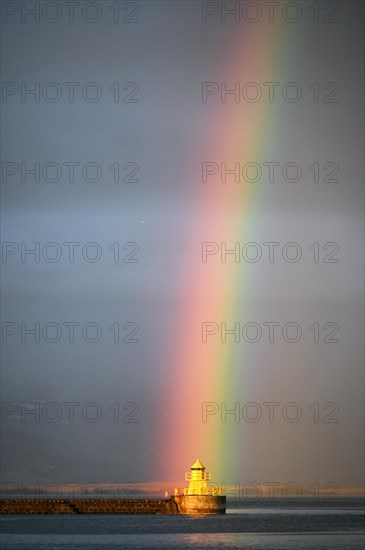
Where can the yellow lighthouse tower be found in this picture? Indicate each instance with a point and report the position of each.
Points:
(198, 498)
(197, 478)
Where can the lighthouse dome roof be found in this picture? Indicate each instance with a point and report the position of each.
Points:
(197, 464)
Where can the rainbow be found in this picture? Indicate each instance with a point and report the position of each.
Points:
(198, 372)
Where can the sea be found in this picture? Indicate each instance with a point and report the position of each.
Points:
(255, 525)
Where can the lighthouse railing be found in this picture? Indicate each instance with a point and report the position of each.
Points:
(203, 491)
(204, 476)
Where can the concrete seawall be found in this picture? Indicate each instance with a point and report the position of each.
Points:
(200, 504)
(88, 506)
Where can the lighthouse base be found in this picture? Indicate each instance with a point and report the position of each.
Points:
(200, 504)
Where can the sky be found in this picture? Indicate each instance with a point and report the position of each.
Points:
(119, 155)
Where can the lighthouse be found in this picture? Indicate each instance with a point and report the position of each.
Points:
(197, 478)
(198, 497)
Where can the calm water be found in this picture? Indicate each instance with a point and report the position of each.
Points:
(254, 526)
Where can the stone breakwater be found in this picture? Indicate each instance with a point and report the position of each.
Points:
(88, 506)
(200, 504)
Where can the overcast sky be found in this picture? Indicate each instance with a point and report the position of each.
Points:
(160, 140)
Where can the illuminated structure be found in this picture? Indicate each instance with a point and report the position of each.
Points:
(198, 497)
